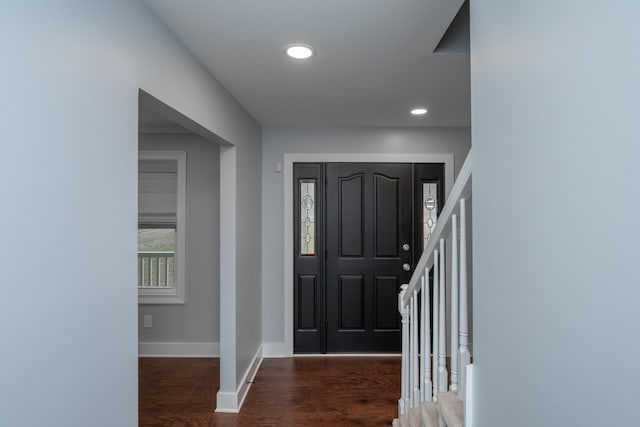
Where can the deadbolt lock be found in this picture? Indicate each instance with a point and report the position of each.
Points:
(406, 247)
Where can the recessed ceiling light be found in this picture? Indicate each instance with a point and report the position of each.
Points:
(299, 51)
(419, 111)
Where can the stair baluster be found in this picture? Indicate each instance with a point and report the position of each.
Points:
(425, 359)
(454, 303)
(415, 378)
(436, 322)
(442, 345)
(464, 358)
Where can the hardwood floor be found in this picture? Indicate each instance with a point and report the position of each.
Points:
(300, 392)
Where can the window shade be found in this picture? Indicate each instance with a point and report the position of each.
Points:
(157, 192)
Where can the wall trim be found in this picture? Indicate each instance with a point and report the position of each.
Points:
(274, 350)
(338, 355)
(289, 160)
(232, 402)
(278, 350)
(179, 349)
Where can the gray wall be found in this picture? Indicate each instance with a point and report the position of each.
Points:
(555, 143)
(198, 320)
(278, 141)
(248, 284)
(68, 184)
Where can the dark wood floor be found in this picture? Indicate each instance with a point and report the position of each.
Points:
(300, 392)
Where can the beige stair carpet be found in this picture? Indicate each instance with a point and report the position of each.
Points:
(450, 409)
(430, 416)
(415, 417)
(403, 421)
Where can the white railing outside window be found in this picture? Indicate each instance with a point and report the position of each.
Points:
(155, 269)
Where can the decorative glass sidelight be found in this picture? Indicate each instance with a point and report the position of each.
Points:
(307, 217)
(429, 209)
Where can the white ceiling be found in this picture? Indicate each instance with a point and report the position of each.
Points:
(374, 59)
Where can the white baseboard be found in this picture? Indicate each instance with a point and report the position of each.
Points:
(179, 349)
(348, 355)
(227, 402)
(273, 350)
(232, 402)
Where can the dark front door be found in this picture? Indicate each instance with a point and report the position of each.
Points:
(368, 222)
(357, 226)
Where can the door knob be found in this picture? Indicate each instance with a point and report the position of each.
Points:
(406, 266)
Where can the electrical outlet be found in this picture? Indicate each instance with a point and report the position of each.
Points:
(148, 321)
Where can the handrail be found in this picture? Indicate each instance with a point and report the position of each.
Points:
(461, 190)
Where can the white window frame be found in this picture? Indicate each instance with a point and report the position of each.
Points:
(178, 293)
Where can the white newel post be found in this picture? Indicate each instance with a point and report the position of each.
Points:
(464, 358)
(442, 345)
(425, 341)
(415, 378)
(454, 304)
(436, 322)
(403, 407)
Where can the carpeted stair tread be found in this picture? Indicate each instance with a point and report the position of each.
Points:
(415, 417)
(403, 421)
(430, 416)
(451, 409)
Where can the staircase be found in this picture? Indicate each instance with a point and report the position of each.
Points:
(434, 392)
(447, 411)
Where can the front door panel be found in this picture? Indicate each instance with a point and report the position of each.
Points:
(368, 210)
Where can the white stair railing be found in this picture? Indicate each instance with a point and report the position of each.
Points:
(424, 357)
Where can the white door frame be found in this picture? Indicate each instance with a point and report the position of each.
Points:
(289, 160)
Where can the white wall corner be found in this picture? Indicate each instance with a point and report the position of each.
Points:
(179, 349)
(273, 350)
(232, 402)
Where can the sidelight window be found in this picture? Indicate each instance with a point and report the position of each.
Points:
(429, 209)
(308, 217)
